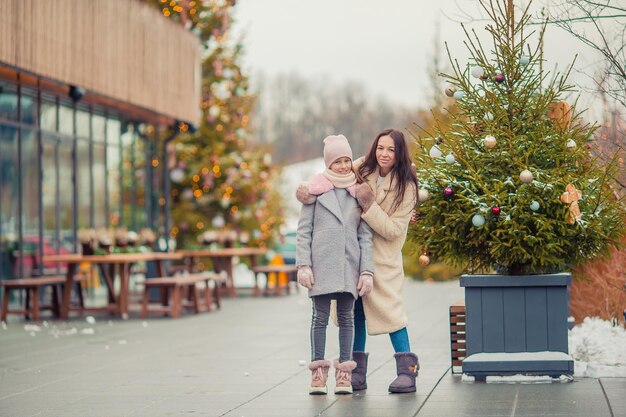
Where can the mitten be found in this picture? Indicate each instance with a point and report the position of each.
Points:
(366, 283)
(303, 195)
(305, 276)
(365, 196)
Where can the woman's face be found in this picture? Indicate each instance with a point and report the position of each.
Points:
(385, 154)
(341, 165)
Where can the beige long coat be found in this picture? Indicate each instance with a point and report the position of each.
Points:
(384, 306)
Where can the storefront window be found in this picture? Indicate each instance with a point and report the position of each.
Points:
(113, 170)
(8, 101)
(66, 119)
(48, 120)
(28, 103)
(9, 196)
(83, 186)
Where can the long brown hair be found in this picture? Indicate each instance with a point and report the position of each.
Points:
(401, 173)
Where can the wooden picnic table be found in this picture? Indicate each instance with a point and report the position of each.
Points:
(108, 264)
(222, 260)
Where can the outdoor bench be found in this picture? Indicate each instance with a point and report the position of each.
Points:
(290, 270)
(458, 346)
(179, 291)
(32, 287)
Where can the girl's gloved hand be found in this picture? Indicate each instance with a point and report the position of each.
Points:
(366, 284)
(305, 277)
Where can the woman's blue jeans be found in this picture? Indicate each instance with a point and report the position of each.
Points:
(399, 338)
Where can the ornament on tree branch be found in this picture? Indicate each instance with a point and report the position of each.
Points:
(489, 141)
(524, 60)
(534, 206)
(526, 176)
(477, 72)
(499, 78)
(435, 152)
(459, 95)
(478, 220)
(423, 195)
(571, 197)
(448, 192)
(571, 145)
(450, 91)
(559, 112)
(424, 259)
(495, 210)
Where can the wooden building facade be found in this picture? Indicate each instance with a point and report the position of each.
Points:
(88, 91)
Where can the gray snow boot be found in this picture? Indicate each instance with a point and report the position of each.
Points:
(407, 366)
(358, 375)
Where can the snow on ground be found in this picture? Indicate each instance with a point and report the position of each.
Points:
(599, 349)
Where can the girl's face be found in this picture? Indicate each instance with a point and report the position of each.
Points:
(342, 165)
(385, 154)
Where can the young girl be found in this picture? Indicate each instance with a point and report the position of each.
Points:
(334, 259)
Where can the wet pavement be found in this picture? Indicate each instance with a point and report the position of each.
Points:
(249, 359)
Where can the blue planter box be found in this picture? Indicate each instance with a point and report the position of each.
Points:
(517, 324)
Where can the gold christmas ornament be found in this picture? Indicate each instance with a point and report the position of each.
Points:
(424, 260)
(526, 176)
(489, 141)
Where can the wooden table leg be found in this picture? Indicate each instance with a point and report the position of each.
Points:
(123, 298)
(67, 290)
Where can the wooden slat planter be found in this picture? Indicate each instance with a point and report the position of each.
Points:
(458, 346)
(517, 325)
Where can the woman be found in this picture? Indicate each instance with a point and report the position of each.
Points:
(387, 198)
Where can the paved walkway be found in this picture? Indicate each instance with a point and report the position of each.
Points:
(248, 360)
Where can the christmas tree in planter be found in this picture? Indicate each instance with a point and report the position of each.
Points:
(513, 188)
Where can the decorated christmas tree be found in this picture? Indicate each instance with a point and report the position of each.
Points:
(512, 185)
(223, 188)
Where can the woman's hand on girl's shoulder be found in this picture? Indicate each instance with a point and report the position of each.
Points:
(303, 195)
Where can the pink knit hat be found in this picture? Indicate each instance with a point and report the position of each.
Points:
(336, 146)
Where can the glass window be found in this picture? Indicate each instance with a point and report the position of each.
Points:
(29, 106)
(8, 200)
(83, 186)
(8, 101)
(30, 185)
(49, 185)
(99, 185)
(66, 198)
(66, 119)
(48, 120)
(113, 170)
(98, 123)
(83, 123)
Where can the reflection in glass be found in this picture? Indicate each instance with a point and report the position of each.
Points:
(66, 119)
(29, 106)
(66, 209)
(99, 184)
(82, 123)
(83, 187)
(113, 170)
(8, 202)
(48, 120)
(50, 186)
(8, 101)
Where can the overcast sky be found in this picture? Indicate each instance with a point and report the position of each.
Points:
(385, 45)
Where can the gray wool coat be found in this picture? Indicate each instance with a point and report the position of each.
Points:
(334, 242)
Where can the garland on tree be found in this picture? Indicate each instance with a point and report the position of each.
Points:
(513, 184)
(223, 189)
